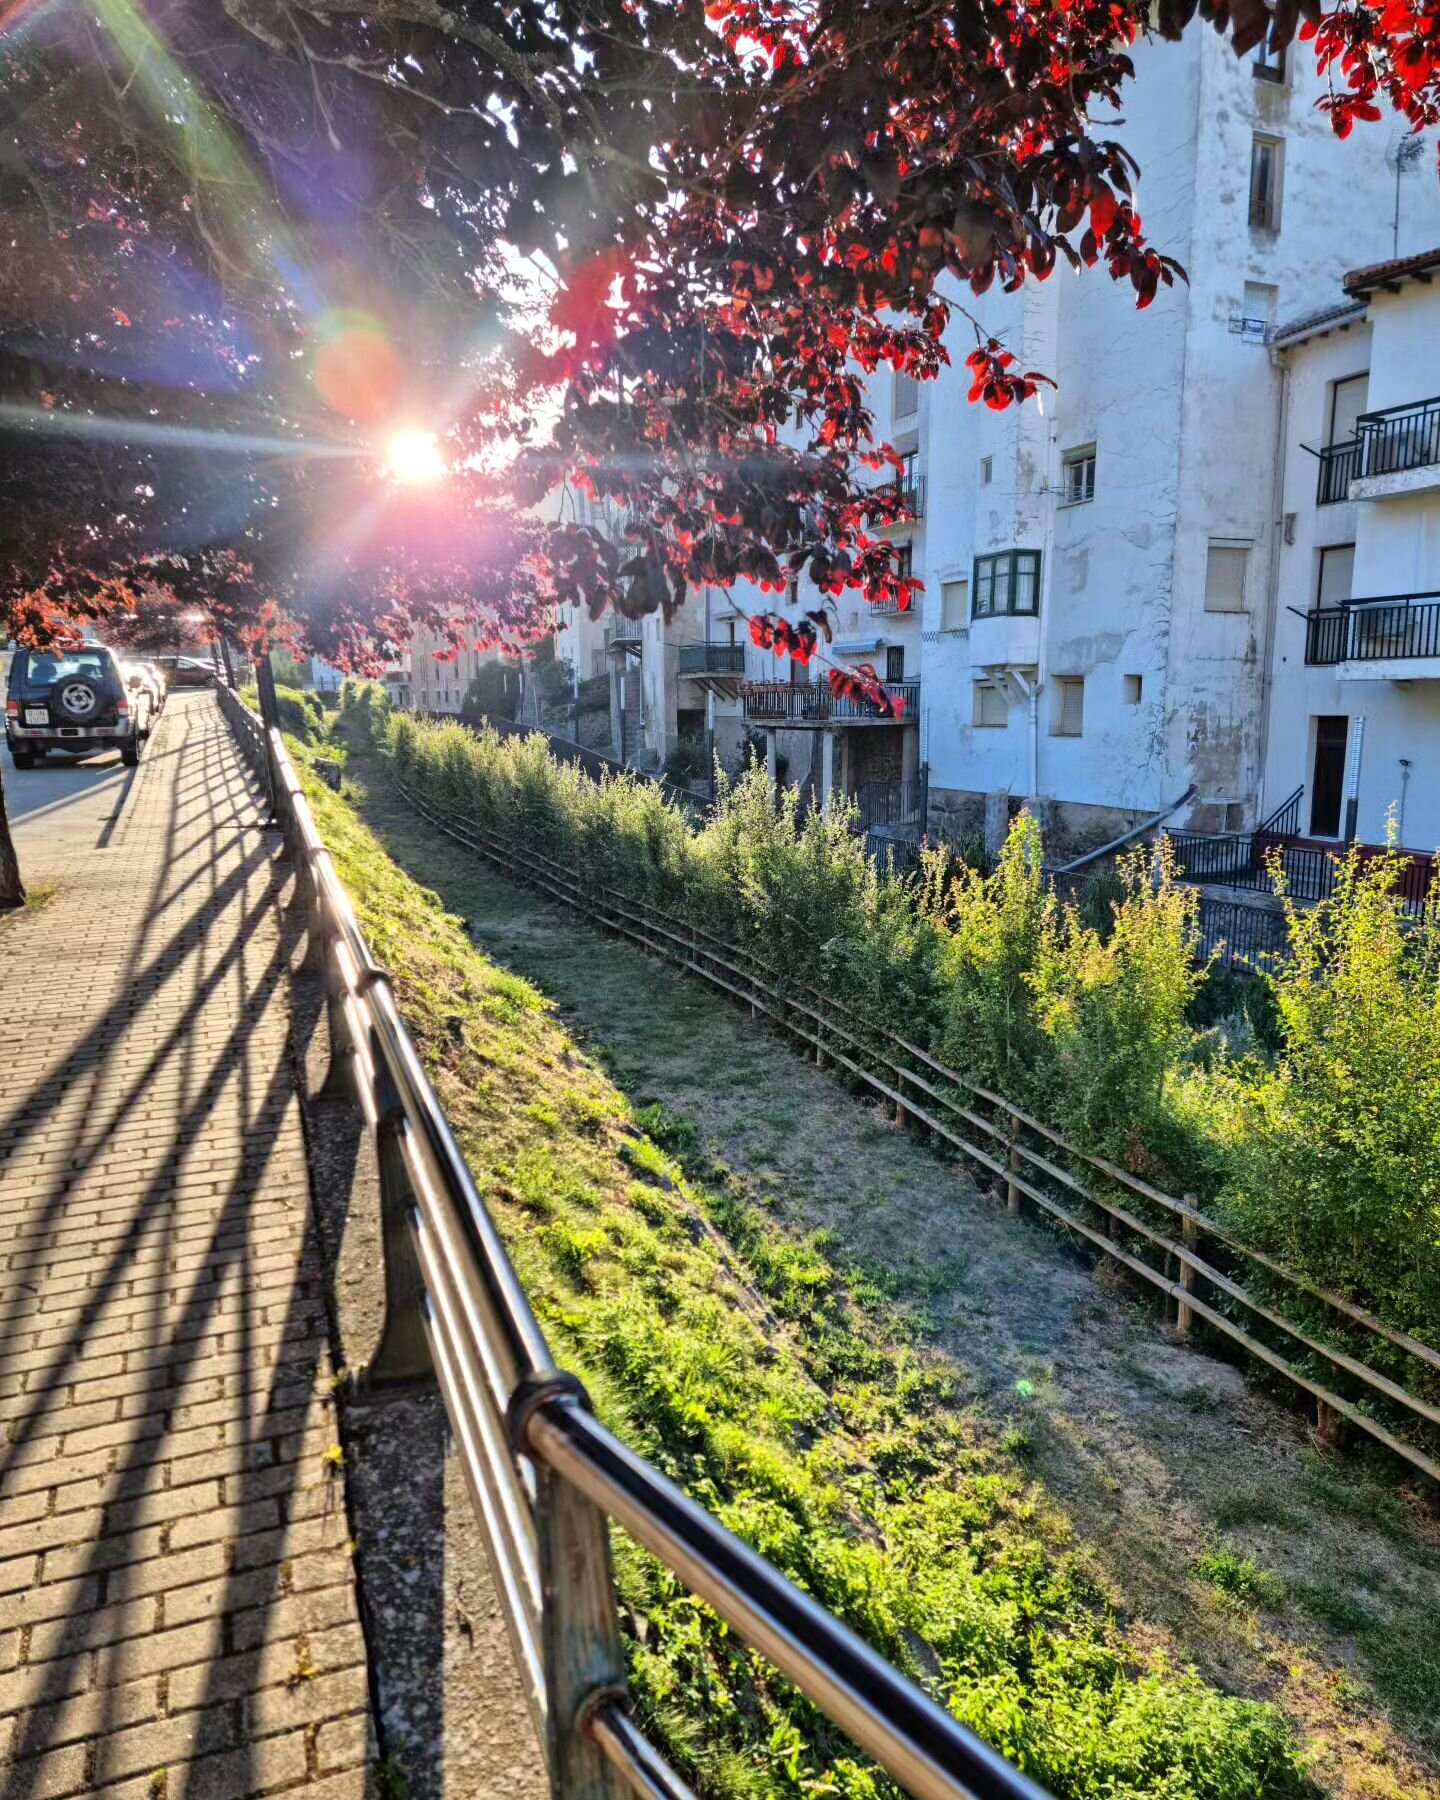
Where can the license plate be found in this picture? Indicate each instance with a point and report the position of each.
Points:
(36, 715)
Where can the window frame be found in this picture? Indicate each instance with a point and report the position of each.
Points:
(959, 615)
(1066, 685)
(1332, 550)
(1078, 458)
(987, 470)
(1270, 211)
(977, 707)
(904, 387)
(1271, 64)
(1233, 547)
(983, 576)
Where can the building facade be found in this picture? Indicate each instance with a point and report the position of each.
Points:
(1352, 721)
(1101, 572)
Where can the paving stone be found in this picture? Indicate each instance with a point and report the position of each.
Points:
(169, 1545)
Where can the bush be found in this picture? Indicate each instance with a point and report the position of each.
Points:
(1334, 1152)
(1308, 1112)
(687, 765)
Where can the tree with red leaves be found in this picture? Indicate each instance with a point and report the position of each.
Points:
(286, 227)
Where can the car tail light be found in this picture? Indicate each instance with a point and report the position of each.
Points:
(122, 706)
(12, 709)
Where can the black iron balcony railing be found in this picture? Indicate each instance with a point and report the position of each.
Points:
(812, 703)
(712, 659)
(891, 805)
(621, 632)
(906, 692)
(1244, 860)
(1339, 465)
(1399, 437)
(1385, 443)
(545, 1475)
(1375, 630)
(911, 490)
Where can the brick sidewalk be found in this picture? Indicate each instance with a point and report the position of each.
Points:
(177, 1600)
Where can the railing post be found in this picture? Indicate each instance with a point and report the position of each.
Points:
(1184, 1317)
(1012, 1192)
(580, 1622)
(403, 1353)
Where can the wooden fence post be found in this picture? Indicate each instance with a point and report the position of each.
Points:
(1012, 1192)
(1184, 1317)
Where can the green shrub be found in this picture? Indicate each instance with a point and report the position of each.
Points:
(1307, 1106)
(1334, 1153)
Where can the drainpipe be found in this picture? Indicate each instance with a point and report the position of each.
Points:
(1404, 785)
(1272, 596)
(1352, 776)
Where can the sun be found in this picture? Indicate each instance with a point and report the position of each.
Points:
(414, 457)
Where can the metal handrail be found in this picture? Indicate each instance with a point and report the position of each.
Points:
(545, 1476)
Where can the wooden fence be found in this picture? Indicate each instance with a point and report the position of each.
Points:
(1022, 1152)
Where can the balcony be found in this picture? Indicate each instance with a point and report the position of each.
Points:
(716, 661)
(1393, 638)
(622, 634)
(1394, 451)
(1339, 465)
(810, 704)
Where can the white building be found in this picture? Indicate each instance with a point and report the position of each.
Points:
(1096, 627)
(1353, 720)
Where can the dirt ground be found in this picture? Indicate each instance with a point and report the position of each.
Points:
(1228, 1537)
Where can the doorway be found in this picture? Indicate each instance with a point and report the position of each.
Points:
(1327, 783)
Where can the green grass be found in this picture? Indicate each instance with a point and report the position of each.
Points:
(768, 1372)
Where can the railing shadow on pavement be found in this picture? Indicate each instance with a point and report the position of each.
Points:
(172, 1328)
(545, 1476)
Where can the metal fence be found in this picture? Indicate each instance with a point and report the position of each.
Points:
(1374, 630)
(1311, 872)
(1159, 1248)
(545, 1476)
(1385, 443)
(1399, 437)
(711, 659)
(812, 703)
(1339, 465)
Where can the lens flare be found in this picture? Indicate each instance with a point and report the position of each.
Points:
(357, 372)
(414, 457)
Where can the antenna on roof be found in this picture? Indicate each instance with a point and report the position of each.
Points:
(1403, 154)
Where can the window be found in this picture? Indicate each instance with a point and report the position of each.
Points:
(1347, 402)
(1134, 689)
(1337, 575)
(905, 396)
(1078, 473)
(1226, 566)
(1266, 158)
(792, 591)
(991, 707)
(954, 605)
(895, 663)
(1068, 717)
(1007, 582)
(1257, 312)
(987, 470)
(1269, 63)
(904, 561)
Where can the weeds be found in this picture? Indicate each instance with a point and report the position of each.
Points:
(779, 1388)
(1304, 1108)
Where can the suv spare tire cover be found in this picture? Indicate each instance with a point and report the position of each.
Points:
(77, 698)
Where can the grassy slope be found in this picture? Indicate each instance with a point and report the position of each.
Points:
(771, 1372)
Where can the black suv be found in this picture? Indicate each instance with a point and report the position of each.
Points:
(74, 699)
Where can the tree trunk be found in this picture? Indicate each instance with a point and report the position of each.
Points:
(12, 889)
(229, 661)
(265, 683)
